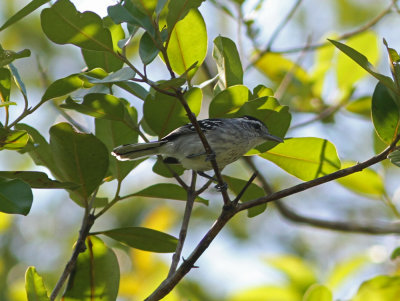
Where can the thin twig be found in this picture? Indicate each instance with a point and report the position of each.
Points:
(239, 196)
(323, 224)
(281, 25)
(185, 224)
(330, 177)
(87, 223)
(344, 36)
(229, 211)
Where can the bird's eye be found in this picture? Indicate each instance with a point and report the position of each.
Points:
(257, 126)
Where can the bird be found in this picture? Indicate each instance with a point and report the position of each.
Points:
(229, 139)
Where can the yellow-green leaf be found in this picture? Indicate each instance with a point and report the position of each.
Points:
(305, 158)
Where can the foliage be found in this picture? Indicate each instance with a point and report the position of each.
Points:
(119, 51)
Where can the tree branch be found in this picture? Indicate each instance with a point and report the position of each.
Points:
(330, 177)
(314, 222)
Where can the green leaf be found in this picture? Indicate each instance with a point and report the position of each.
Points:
(188, 43)
(299, 273)
(161, 169)
(103, 59)
(167, 191)
(305, 158)
(37, 179)
(318, 292)
(81, 158)
(178, 9)
(63, 24)
(275, 66)
(394, 157)
(113, 133)
(366, 43)
(226, 103)
(15, 196)
(164, 113)
(63, 86)
(5, 85)
(98, 105)
(39, 149)
(22, 13)
(394, 62)
(13, 140)
(121, 75)
(360, 106)
(345, 270)
(361, 60)
(367, 181)
(228, 63)
(130, 14)
(395, 253)
(267, 293)
(96, 274)
(34, 286)
(147, 7)
(7, 103)
(252, 192)
(385, 114)
(148, 49)
(143, 239)
(134, 89)
(385, 288)
(8, 56)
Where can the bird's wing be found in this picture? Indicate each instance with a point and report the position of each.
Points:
(205, 125)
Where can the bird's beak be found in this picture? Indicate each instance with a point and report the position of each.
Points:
(274, 138)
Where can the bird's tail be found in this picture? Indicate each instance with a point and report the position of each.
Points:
(137, 151)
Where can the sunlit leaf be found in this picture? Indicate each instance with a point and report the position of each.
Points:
(275, 66)
(178, 9)
(344, 270)
(164, 113)
(385, 114)
(226, 103)
(144, 239)
(266, 293)
(385, 288)
(188, 43)
(318, 292)
(96, 274)
(360, 106)
(298, 271)
(13, 140)
(367, 44)
(63, 24)
(15, 196)
(167, 191)
(81, 158)
(362, 60)
(63, 86)
(305, 158)
(34, 286)
(367, 181)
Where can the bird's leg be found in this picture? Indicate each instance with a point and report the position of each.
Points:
(224, 186)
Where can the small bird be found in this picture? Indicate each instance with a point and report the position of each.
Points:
(229, 138)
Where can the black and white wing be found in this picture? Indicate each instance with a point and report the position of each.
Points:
(205, 125)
